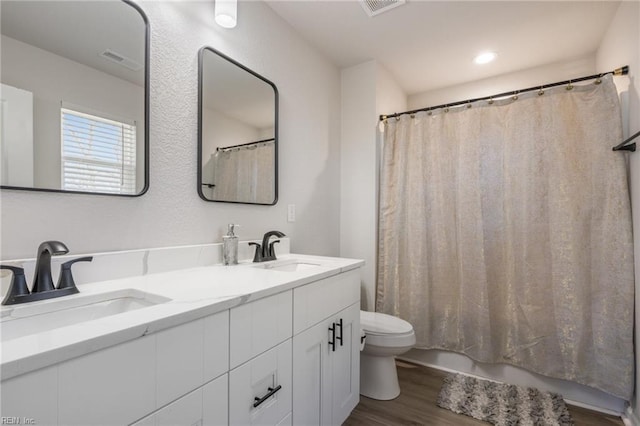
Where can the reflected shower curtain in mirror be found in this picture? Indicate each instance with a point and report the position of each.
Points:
(505, 234)
(244, 174)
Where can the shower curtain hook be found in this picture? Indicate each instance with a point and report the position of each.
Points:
(446, 108)
(490, 101)
(469, 104)
(541, 91)
(515, 96)
(598, 80)
(569, 86)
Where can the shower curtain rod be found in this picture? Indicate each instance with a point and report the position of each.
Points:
(618, 71)
(623, 145)
(222, 148)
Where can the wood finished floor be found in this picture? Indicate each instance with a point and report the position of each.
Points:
(416, 405)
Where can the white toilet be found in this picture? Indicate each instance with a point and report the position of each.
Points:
(386, 337)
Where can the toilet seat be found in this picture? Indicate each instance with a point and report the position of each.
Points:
(386, 330)
(376, 323)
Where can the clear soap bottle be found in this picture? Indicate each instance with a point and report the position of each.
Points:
(230, 246)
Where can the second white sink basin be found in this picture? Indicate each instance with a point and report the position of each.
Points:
(47, 315)
(289, 265)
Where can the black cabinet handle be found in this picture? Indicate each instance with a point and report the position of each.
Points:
(269, 394)
(332, 339)
(340, 325)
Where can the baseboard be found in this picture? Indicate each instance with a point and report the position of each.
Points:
(630, 417)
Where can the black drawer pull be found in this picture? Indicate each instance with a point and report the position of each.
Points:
(332, 339)
(340, 338)
(271, 392)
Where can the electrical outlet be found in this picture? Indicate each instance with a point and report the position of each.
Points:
(291, 213)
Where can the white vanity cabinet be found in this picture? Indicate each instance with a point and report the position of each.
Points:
(291, 358)
(326, 350)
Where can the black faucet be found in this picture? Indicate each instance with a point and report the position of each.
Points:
(266, 251)
(42, 281)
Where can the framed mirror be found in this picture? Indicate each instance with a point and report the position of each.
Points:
(74, 97)
(237, 132)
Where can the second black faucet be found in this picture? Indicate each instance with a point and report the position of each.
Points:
(266, 251)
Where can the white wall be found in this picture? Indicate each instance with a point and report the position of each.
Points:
(54, 79)
(358, 171)
(621, 46)
(549, 73)
(171, 213)
(368, 90)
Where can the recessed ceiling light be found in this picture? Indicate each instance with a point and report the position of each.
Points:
(485, 58)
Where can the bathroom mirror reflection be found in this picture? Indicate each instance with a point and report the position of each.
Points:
(237, 134)
(74, 97)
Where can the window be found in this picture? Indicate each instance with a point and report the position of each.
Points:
(98, 154)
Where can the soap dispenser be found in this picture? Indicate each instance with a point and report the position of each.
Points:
(230, 246)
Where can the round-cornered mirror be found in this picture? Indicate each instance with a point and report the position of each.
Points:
(74, 97)
(237, 132)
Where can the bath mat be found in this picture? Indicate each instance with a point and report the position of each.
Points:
(502, 404)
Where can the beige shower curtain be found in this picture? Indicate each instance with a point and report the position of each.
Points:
(244, 174)
(505, 234)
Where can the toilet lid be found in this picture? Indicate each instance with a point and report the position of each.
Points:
(379, 323)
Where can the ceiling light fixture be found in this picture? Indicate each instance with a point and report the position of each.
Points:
(485, 58)
(226, 13)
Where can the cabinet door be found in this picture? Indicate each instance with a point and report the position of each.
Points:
(258, 326)
(312, 376)
(266, 377)
(215, 402)
(111, 386)
(345, 364)
(30, 396)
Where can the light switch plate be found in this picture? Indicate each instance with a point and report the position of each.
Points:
(291, 213)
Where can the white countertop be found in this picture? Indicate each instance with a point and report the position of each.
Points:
(194, 293)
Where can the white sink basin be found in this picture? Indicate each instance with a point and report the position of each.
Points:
(23, 320)
(288, 265)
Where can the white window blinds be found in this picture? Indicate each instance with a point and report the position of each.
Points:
(98, 154)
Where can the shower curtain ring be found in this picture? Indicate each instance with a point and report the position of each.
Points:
(469, 104)
(490, 101)
(569, 86)
(598, 80)
(540, 92)
(446, 108)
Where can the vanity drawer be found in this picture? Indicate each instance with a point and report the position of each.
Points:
(264, 381)
(258, 326)
(205, 406)
(319, 300)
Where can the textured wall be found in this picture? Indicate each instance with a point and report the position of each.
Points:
(171, 212)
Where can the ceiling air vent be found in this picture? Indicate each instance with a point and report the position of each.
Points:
(122, 60)
(376, 7)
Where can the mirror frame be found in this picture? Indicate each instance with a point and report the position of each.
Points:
(146, 123)
(200, 105)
